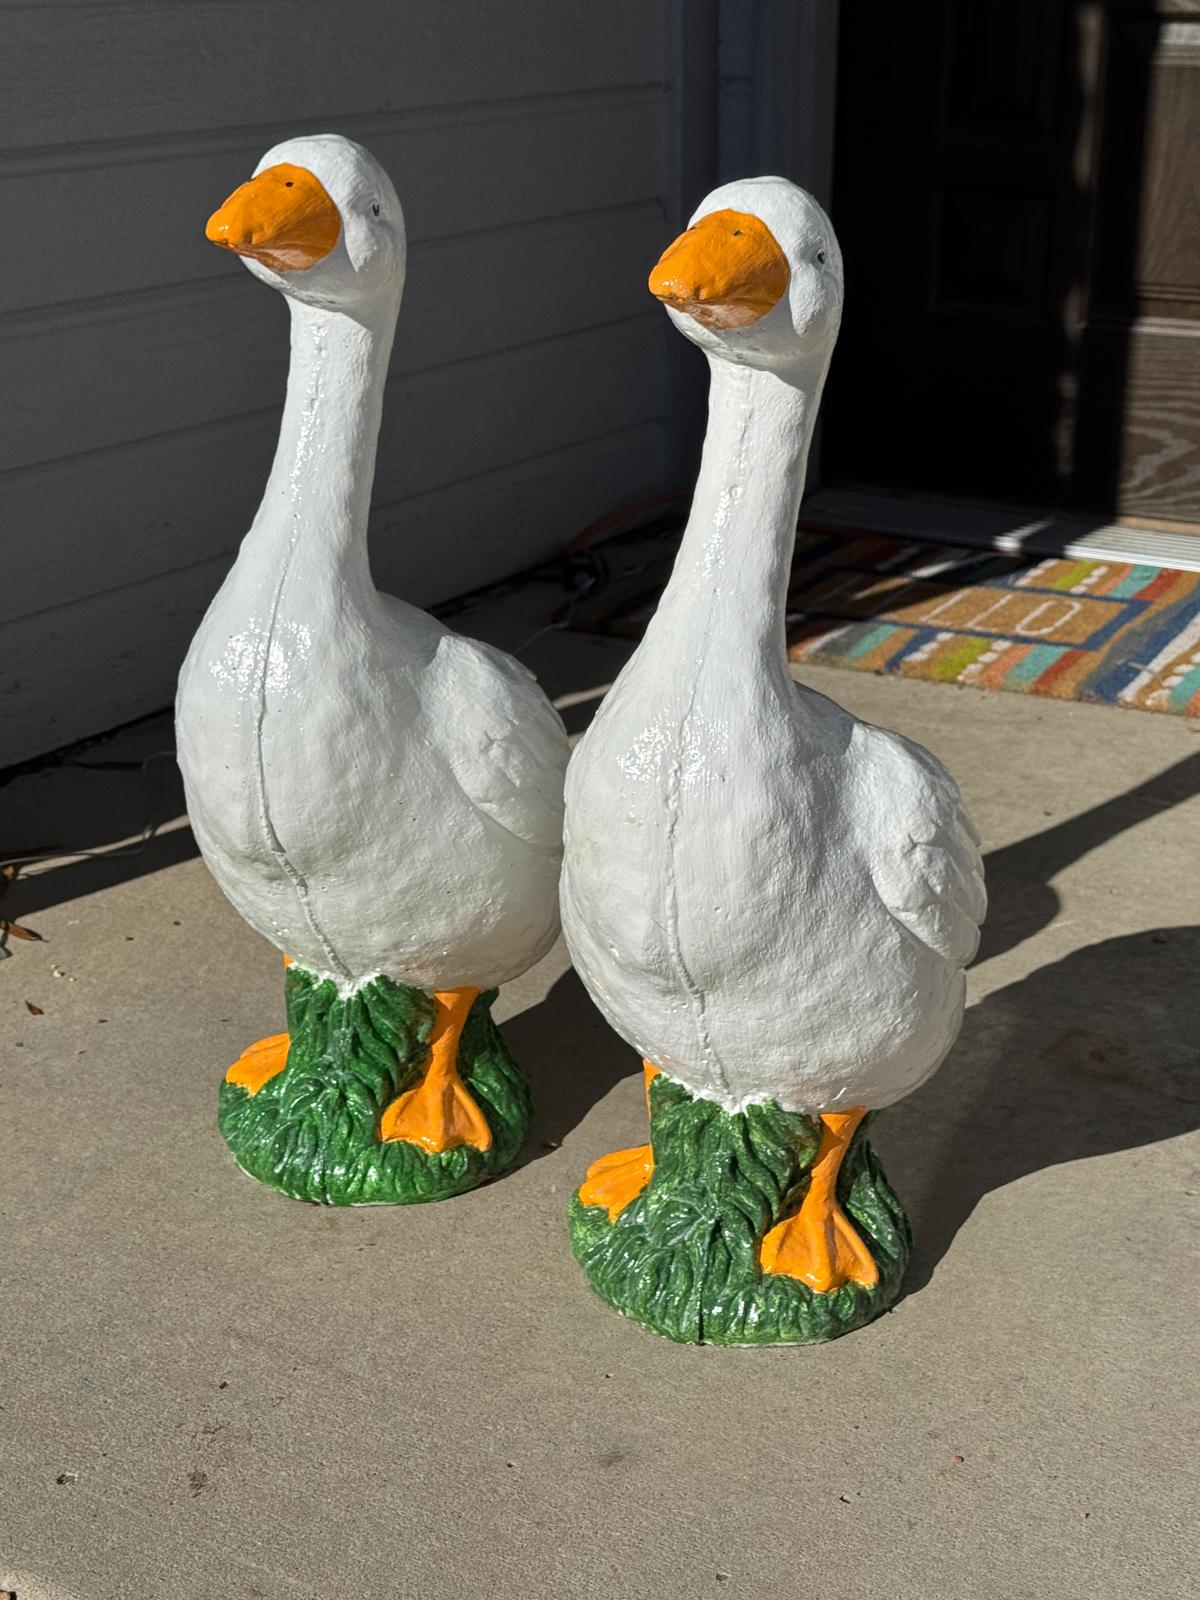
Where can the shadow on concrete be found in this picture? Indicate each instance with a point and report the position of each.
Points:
(572, 1059)
(32, 894)
(87, 805)
(1089, 1055)
(104, 813)
(1021, 896)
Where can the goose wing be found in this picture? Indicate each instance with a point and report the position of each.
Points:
(499, 735)
(922, 848)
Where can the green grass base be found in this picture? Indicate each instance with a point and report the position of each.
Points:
(682, 1259)
(312, 1131)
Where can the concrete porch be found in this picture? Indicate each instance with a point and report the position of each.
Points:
(213, 1390)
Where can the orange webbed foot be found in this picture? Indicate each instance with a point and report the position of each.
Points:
(618, 1178)
(819, 1245)
(258, 1063)
(440, 1113)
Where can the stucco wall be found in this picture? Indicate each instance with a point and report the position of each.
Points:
(141, 370)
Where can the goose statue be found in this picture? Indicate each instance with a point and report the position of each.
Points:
(378, 796)
(772, 901)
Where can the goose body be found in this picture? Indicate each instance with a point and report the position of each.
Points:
(767, 898)
(374, 793)
(770, 899)
(378, 796)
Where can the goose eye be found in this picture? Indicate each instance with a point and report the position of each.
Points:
(821, 257)
(375, 207)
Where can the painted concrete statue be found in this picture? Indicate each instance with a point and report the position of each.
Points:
(770, 900)
(379, 797)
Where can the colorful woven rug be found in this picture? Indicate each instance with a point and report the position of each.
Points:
(1105, 631)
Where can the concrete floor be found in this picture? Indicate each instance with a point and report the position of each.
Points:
(210, 1390)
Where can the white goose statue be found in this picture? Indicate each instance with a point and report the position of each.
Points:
(379, 797)
(772, 901)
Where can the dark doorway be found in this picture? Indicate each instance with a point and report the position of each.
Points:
(1017, 189)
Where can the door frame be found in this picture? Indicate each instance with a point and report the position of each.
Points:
(795, 52)
(796, 90)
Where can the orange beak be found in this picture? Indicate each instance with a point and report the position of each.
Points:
(726, 272)
(283, 218)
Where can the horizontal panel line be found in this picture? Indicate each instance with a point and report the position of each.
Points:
(81, 154)
(60, 316)
(563, 220)
(42, 6)
(54, 316)
(215, 426)
(520, 462)
(490, 357)
(387, 506)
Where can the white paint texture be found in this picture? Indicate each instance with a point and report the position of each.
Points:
(766, 897)
(374, 793)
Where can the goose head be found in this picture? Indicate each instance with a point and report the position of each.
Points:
(757, 277)
(320, 221)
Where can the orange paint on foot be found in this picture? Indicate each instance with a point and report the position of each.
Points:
(619, 1177)
(440, 1113)
(283, 218)
(820, 1245)
(259, 1063)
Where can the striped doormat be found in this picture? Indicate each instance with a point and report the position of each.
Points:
(1105, 631)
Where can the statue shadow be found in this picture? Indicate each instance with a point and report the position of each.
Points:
(1092, 1054)
(1086, 1056)
(1022, 899)
(90, 817)
(571, 1057)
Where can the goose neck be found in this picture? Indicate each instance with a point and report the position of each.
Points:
(736, 554)
(318, 494)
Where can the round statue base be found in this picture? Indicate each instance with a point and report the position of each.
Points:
(682, 1258)
(312, 1129)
